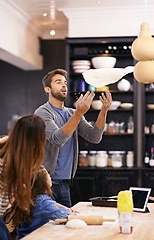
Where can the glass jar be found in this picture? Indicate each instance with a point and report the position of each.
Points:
(152, 128)
(122, 127)
(123, 154)
(83, 160)
(130, 159)
(92, 158)
(117, 127)
(116, 159)
(101, 159)
(146, 130)
(111, 127)
(109, 163)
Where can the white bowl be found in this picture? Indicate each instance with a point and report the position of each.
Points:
(103, 62)
(80, 66)
(126, 105)
(96, 104)
(114, 105)
(123, 85)
(81, 63)
(150, 106)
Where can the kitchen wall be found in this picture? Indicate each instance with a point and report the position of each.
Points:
(109, 21)
(21, 91)
(19, 41)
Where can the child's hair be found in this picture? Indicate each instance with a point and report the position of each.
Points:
(40, 185)
(23, 154)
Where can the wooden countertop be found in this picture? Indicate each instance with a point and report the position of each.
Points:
(142, 229)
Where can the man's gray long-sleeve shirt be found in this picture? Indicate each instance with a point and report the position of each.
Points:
(56, 137)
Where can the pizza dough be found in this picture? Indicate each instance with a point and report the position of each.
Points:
(76, 223)
(105, 76)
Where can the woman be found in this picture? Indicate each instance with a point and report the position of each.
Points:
(22, 156)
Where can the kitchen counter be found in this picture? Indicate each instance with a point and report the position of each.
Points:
(142, 229)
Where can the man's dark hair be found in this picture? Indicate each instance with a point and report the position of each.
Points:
(46, 81)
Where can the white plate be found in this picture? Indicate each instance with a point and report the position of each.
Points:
(114, 105)
(126, 105)
(150, 106)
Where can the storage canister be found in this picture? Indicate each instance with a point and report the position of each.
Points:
(152, 128)
(111, 127)
(92, 158)
(123, 154)
(110, 158)
(116, 159)
(101, 159)
(83, 160)
(122, 127)
(130, 159)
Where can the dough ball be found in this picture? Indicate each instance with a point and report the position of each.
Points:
(76, 223)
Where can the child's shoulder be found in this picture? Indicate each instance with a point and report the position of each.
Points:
(44, 202)
(44, 198)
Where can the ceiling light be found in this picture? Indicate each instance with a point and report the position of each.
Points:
(45, 14)
(99, 2)
(52, 32)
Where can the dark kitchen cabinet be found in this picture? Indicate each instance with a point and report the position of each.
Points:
(97, 182)
(147, 91)
(114, 180)
(148, 118)
(148, 179)
(84, 185)
(90, 182)
(119, 47)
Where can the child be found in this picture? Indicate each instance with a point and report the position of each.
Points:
(43, 210)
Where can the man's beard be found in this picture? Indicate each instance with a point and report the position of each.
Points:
(58, 96)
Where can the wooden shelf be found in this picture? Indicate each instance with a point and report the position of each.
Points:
(149, 91)
(118, 134)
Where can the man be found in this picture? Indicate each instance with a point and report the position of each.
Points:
(62, 128)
